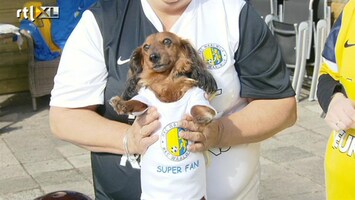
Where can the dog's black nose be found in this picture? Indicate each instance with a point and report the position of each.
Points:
(154, 57)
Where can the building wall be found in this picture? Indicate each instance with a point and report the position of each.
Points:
(336, 8)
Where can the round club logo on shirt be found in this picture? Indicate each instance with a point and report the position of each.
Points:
(173, 146)
(214, 55)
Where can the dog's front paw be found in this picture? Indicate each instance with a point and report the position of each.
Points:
(203, 119)
(119, 105)
(202, 114)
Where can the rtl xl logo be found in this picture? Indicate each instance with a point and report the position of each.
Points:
(40, 12)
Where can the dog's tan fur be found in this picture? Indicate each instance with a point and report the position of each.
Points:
(169, 66)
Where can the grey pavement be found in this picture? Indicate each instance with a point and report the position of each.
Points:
(33, 162)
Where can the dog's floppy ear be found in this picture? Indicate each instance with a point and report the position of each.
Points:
(199, 70)
(133, 74)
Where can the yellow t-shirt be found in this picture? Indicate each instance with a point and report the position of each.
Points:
(340, 166)
(340, 153)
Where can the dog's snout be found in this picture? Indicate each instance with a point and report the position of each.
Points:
(154, 57)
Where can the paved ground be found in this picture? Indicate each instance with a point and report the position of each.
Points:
(33, 163)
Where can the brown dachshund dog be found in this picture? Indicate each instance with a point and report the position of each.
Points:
(167, 72)
(169, 66)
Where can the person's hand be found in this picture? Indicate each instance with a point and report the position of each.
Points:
(341, 113)
(140, 134)
(204, 137)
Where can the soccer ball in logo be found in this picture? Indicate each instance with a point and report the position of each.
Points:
(174, 149)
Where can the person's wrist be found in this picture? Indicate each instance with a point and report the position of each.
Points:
(127, 146)
(125, 142)
(336, 97)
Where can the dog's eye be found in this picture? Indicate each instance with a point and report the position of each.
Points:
(167, 42)
(146, 47)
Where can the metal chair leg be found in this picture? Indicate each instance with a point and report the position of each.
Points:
(34, 103)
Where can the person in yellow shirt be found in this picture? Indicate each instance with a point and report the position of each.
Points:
(336, 96)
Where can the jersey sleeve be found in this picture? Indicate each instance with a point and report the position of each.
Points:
(328, 83)
(259, 63)
(81, 77)
(329, 46)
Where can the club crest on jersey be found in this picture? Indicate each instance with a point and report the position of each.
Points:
(173, 146)
(214, 55)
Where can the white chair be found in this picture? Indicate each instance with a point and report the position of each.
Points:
(293, 31)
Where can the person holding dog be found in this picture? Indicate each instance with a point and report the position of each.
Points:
(336, 96)
(254, 99)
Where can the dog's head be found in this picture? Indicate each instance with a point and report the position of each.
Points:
(162, 55)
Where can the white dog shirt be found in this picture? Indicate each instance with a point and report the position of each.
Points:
(168, 169)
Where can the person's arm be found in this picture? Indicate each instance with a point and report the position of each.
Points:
(339, 109)
(259, 120)
(332, 97)
(85, 128)
(328, 81)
